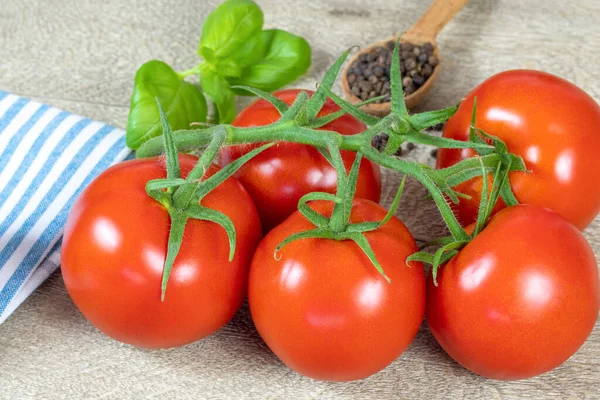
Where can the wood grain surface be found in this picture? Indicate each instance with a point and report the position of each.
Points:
(81, 55)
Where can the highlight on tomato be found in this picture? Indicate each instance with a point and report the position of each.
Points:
(114, 250)
(519, 299)
(278, 177)
(552, 124)
(324, 309)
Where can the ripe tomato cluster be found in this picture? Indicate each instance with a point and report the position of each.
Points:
(518, 300)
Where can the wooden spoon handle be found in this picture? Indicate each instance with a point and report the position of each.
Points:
(439, 13)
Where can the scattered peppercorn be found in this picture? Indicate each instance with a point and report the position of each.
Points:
(380, 141)
(436, 127)
(369, 76)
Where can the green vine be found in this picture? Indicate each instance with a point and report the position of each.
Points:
(298, 123)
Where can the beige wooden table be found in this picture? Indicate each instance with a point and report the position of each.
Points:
(81, 55)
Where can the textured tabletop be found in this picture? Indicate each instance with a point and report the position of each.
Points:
(81, 55)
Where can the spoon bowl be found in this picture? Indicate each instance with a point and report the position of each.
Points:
(425, 30)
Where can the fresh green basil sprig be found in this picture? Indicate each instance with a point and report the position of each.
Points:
(236, 51)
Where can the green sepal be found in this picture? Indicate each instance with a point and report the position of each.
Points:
(395, 203)
(360, 115)
(362, 242)
(178, 222)
(393, 144)
(419, 256)
(318, 99)
(323, 151)
(473, 136)
(299, 104)
(317, 233)
(164, 183)
(211, 183)
(442, 142)
(154, 189)
(277, 103)
(196, 211)
(445, 254)
(398, 102)
(311, 215)
(438, 241)
(483, 200)
(430, 118)
(507, 194)
(184, 195)
(324, 120)
(371, 226)
(444, 258)
(172, 157)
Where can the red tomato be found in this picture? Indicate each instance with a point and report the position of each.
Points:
(518, 300)
(114, 249)
(324, 309)
(553, 125)
(279, 176)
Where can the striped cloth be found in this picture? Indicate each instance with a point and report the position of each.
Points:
(47, 156)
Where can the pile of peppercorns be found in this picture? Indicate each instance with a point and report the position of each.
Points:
(369, 76)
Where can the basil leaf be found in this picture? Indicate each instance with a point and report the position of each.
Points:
(284, 58)
(228, 67)
(228, 27)
(253, 50)
(217, 88)
(183, 102)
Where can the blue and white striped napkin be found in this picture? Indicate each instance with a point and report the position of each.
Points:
(47, 156)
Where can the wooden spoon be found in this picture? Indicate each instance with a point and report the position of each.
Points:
(424, 30)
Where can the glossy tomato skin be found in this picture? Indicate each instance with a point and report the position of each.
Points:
(323, 308)
(114, 249)
(518, 300)
(279, 176)
(553, 125)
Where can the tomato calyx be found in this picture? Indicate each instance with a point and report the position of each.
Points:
(449, 246)
(182, 197)
(338, 227)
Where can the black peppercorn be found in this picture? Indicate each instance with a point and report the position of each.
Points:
(427, 47)
(427, 70)
(410, 64)
(418, 79)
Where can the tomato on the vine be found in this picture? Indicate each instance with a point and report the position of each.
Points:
(324, 309)
(519, 299)
(553, 125)
(279, 176)
(114, 249)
